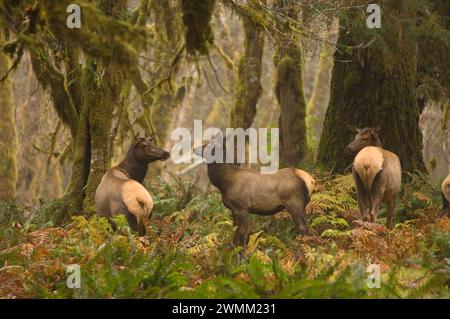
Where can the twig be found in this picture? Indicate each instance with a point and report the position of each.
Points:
(216, 75)
(52, 145)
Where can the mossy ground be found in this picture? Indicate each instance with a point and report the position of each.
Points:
(188, 251)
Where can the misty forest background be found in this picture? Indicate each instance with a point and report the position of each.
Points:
(71, 101)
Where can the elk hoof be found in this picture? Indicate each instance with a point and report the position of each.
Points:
(303, 231)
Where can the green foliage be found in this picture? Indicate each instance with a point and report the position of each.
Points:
(10, 213)
(49, 214)
(188, 253)
(338, 195)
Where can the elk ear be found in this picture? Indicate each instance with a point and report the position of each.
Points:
(137, 137)
(353, 129)
(376, 130)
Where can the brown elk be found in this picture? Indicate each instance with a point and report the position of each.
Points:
(445, 190)
(246, 191)
(377, 174)
(121, 191)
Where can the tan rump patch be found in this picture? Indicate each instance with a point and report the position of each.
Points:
(308, 179)
(368, 162)
(446, 187)
(137, 199)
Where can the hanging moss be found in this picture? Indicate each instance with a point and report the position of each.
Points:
(196, 17)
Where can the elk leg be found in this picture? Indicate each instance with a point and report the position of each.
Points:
(443, 213)
(132, 222)
(234, 219)
(297, 211)
(363, 197)
(242, 228)
(376, 195)
(390, 213)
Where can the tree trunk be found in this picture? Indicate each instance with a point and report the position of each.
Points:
(101, 95)
(75, 192)
(248, 87)
(8, 143)
(320, 96)
(166, 100)
(289, 92)
(374, 85)
(101, 99)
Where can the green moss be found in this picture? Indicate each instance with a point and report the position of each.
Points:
(352, 79)
(290, 97)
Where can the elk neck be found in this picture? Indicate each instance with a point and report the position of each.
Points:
(378, 142)
(134, 168)
(221, 174)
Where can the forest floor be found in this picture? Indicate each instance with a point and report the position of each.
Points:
(188, 251)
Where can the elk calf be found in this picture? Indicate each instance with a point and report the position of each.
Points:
(246, 191)
(120, 190)
(377, 174)
(445, 190)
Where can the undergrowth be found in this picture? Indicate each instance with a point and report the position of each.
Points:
(188, 251)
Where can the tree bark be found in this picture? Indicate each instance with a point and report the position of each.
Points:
(8, 141)
(165, 101)
(289, 92)
(101, 99)
(320, 96)
(248, 88)
(374, 85)
(75, 192)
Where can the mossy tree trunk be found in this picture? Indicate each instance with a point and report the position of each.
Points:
(374, 85)
(84, 97)
(101, 96)
(8, 141)
(168, 22)
(81, 158)
(82, 70)
(320, 95)
(102, 86)
(248, 88)
(289, 90)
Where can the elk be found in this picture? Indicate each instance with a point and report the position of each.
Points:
(121, 191)
(445, 191)
(377, 173)
(246, 191)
